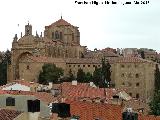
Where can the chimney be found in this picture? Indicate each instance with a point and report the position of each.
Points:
(74, 82)
(129, 115)
(50, 85)
(91, 84)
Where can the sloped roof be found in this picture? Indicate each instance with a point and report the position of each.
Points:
(91, 111)
(6, 114)
(45, 97)
(60, 22)
(84, 90)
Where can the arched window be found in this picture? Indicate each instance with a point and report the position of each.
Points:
(28, 67)
(72, 36)
(56, 35)
(52, 35)
(60, 35)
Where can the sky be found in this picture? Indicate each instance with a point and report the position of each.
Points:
(105, 25)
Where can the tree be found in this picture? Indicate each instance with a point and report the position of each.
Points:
(88, 77)
(101, 76)
(5, 61)
(155, 104)
(157, 78)
(50, 73)
(80, 76)
(106, 73)
(71, 76)
(97, 76)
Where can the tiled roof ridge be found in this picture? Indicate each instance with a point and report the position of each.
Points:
(60, 22)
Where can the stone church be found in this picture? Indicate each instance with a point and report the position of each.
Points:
(60, 44)
(60, 40)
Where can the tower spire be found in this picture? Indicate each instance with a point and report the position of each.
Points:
(61, 15)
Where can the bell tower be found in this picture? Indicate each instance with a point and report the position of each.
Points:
(28, 29)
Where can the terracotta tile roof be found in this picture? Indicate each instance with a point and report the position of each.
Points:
(109, 54)
(127, 60)
(82, 61)
(45, 97)
(148, 117)
(83, 90)
(44, 59)
(60, 22)
(91, 111)
(6, 114)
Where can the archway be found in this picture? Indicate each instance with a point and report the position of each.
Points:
(20, 57)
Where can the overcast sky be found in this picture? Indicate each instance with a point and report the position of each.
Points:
(117, 26)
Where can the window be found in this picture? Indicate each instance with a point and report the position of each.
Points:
(56, 35)
(69, 65)
(83, 65)
(137, 84)
(88, 65)
(78, 65)
(94, 66)
(60, 35)
(10, 101)
(98, 65)
(122, 75)
(137, 95)
(122, 66)
(28, 67)
(130, 94)
(123, 83)
(137, 75)
(52, 35)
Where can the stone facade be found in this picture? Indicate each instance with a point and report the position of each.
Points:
(61, 46)
(61, 40)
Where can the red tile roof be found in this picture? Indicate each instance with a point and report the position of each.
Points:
(44, 59)
(148, 117)
(60, 22)
(83, 90)
(127, 60)
(46, 97)
(90, 111)
(6, 114)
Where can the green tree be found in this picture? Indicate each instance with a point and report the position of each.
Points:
(97, 76)
(80, 76)
(157, 78)
(71, 76)
(5, 62)
(88, 77)
(155, 104)
(106, 73)
(101, 76)
(50, 73)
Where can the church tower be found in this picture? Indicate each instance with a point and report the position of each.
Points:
(28, 29)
